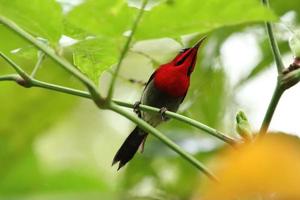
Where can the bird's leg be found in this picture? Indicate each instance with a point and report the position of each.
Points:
(162, 113)
(136, 108)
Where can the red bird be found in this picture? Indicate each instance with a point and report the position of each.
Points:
(166, 89)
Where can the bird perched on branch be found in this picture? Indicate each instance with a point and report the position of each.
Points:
(166, 89)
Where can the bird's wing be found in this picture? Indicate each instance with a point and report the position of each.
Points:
(183, 97)
(150, 79)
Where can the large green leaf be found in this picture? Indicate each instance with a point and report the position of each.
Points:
(175, 18)
(110, 20)
(172, 18)
(93, 56)
(281, 7)
(41, 18)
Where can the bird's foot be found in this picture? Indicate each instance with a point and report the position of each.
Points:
(136, 108)
(162, 113)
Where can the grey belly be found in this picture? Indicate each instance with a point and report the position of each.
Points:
(155, 98)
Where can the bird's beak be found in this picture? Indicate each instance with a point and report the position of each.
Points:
(188, 58)
(198, 44)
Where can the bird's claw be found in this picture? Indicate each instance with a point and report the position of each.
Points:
(162, 113)
(136, 108)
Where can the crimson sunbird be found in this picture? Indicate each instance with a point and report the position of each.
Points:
(165, 89)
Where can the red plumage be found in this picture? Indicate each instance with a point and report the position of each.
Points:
(174, 77)
(172, 81)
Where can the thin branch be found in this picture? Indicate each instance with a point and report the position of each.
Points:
(16, 67)
(62, 62)
(125, 50)
(186, 120)
(148, 128)
(279, 90)
(62, 89)
(285, 81)
(273, 42)
(9, 77)
(84, 94)
(271, 109)
(141, 123)
(38, 64)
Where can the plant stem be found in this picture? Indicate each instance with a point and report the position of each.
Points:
(38, 64)
(124, 51)
(62, 89)
(84, 94)
(9, 77)
(149, 129)
(62, 62)
(279, 90)
(186, 120)
(271, 109)
(274, 45)
(141, 123)
(16, 67)
(275, 49)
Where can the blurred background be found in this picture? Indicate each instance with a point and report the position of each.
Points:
(57, 146)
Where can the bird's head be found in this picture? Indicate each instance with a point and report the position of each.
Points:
(173, 78)
(186, 58)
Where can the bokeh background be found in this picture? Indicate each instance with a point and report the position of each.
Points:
(57, 146)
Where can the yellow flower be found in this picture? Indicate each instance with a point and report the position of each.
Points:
(268, 169)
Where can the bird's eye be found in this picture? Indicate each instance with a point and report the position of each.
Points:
(184, 50)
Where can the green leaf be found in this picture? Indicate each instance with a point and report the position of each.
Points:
(172, 18)
(175, 18)
(27, 52)
(93, 56)
(282, 7)
(74, 31)
(102, 17)
(41, 18)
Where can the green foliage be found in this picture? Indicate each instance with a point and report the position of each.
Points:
(101, 27)
(282, 7)
(43, 182)
(171, 18)
(175, 18)
(41, 18)
(91, 57)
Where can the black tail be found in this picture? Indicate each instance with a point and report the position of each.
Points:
(129, 147)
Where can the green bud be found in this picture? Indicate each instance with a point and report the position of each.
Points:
(294, 43)
(242, 126)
